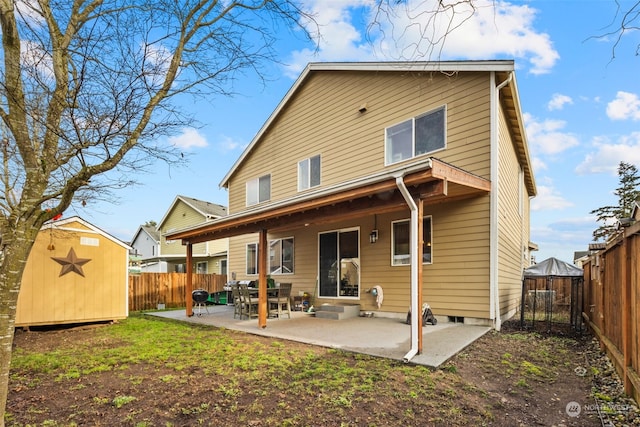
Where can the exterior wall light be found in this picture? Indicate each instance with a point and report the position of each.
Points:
(373, 236)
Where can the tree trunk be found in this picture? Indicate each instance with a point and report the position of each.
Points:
(15, 254)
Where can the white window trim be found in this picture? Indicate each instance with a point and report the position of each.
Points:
(341, 230)
(246, 255)
(206, 266)
(393, 263)
(413, 136)
(256, 181)
(308, 162)
(281, 254)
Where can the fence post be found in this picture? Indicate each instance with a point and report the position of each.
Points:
(626, 314)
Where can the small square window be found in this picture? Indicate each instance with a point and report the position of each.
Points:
(309, 173)
(258, 190)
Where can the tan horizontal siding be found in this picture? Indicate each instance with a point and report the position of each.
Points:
(511, 238)
(323, 118)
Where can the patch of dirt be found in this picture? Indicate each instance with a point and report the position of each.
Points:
(510, 378)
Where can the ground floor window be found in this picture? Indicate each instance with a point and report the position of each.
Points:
(339, 263)
(252, 258)
(400, 250)
(281, 256)
(201, 267)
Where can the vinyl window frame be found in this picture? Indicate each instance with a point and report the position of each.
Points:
(415, 125)
(404, 258)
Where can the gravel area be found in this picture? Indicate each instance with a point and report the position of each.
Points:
(611, 403)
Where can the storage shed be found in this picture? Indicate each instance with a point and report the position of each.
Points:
(75, 273)
(552, 293)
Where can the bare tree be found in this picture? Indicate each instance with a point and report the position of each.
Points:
(89, 87)
(625, 21)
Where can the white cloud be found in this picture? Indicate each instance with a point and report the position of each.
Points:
(607, 155)
(413, 30)
(188, 138)
(558, 101)
(226, 143)
(545, 137)
(538, 164)
(625, 106)
(338, 38)
(549, 199)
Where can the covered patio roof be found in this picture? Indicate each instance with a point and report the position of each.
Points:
(431, 180)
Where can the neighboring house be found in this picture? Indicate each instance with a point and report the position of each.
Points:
(146, 250)
(75, 273)
(162, 255)
(411, 176)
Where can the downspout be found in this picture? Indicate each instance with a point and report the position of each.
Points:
(494, 309)
(413, 245)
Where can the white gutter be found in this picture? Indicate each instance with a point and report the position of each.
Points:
(413, 245)
(494, 292)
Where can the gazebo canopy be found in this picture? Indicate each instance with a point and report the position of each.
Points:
(553, 267)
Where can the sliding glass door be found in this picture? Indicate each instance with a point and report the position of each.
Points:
(339, 263)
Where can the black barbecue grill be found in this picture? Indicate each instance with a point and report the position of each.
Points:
(200, 297)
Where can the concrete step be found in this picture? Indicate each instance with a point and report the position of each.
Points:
(338, 311)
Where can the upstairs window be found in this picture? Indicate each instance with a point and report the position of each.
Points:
(259, 190)
(416, 136)
(309, 173)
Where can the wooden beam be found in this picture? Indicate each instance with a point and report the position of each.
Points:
(435, 189)
(189, 285)
(420, 236)
(379, 197)
(263, 250)
(455, 175)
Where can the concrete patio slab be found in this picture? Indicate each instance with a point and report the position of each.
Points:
(377, 336)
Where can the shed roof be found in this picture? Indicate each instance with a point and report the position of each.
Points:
(553, 267)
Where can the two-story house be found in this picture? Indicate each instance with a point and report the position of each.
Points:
(161, 255)
(411, 176)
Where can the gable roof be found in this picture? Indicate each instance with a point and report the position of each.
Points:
(509, 93)
(208, 210)
(65, 224)
(152, 232)
(553, 267)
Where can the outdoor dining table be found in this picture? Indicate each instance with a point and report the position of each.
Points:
(271, 292)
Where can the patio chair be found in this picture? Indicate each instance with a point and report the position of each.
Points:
(249, 302)
(282, 302)
(237, 301)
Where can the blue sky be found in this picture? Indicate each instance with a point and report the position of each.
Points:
(580, 99)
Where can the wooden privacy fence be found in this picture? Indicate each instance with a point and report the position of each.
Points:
(611, 304)
(147, 290)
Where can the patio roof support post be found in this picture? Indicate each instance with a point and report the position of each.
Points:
(416, 318)
(420, 250)
(189, 284)
(262, 279)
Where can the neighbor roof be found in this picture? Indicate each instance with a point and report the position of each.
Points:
(207, 209)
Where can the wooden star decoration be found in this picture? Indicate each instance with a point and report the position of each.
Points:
(71, 263)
